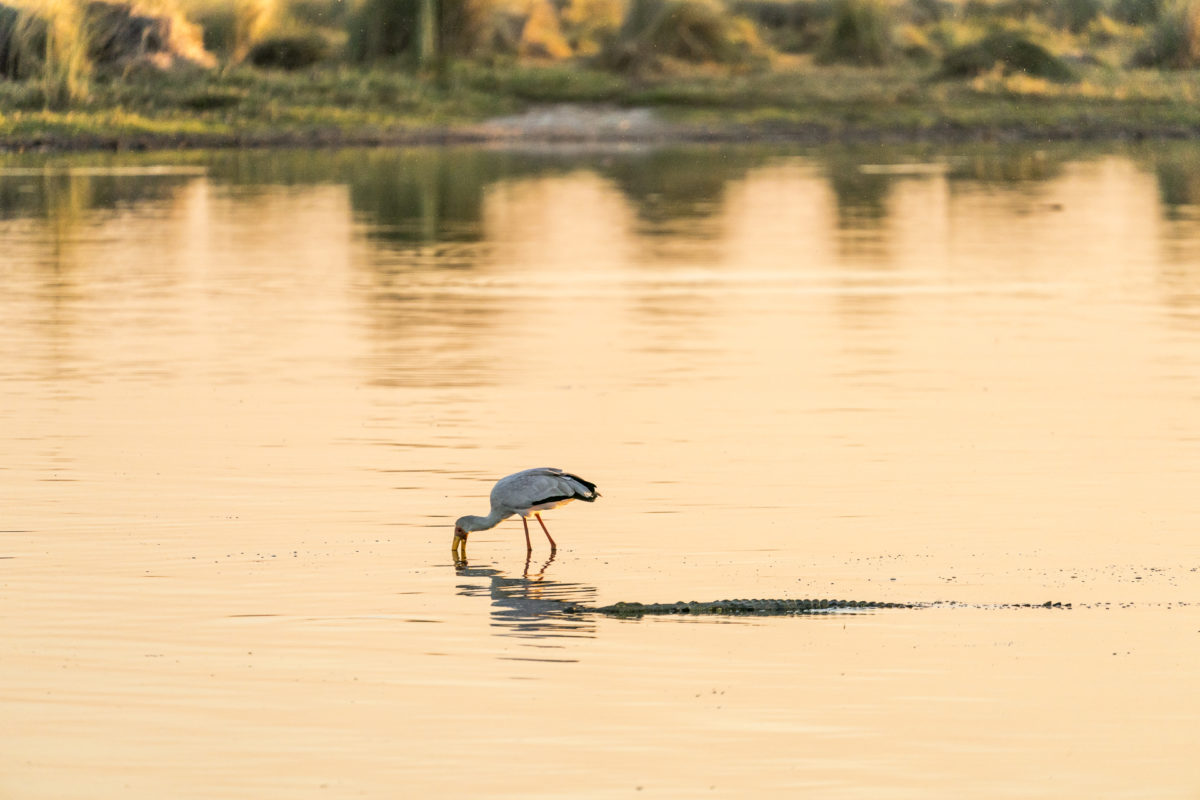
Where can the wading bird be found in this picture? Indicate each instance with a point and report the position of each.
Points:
(527, 492)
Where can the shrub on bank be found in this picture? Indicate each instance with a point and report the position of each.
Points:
(22, 43)
(289, 51)
(790, 26)
(861, 32)
(1011, 51)
(1174, 41)
(61, 43)
(590, 25)
(1075, 15)
(389, 28)
(658, 31)
(1136, 12)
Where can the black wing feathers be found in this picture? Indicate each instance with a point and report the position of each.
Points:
(591, 488)
(588, 495)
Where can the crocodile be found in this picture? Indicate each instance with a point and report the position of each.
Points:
(765, 607)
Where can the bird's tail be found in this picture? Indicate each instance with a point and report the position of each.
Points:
(589, 493)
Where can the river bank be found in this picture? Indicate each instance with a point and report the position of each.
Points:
(343, 107)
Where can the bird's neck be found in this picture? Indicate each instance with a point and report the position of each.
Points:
(490, 521)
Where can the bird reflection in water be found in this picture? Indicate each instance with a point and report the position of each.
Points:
(530, 605)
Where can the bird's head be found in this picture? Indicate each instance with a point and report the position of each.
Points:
(462, 527)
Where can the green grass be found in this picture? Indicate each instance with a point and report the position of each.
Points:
(340, 104)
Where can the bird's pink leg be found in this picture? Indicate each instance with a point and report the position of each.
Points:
(528, 546)
(553, 546)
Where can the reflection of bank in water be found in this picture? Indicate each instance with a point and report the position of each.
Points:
(530, 605)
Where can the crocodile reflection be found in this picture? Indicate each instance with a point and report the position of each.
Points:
(529, 606)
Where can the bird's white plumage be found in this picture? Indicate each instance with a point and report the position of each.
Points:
(527, 492)
(537, 490)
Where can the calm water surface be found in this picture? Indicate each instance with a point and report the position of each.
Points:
(244, 396)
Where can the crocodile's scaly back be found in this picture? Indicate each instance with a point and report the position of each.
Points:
(778, 607)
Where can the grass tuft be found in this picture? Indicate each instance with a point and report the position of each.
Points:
(66, 67)
(656, 32)
(289, 51)
(861, 32)
(1011, 53)
(1174, 41)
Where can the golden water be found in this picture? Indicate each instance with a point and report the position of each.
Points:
(244, 396)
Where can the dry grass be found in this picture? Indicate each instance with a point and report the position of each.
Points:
(62, 44)
(54, 35)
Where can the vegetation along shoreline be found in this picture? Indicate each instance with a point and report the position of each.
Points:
(173, 74)
(97, 138)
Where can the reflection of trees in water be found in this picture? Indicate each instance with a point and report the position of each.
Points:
(678, 200)
(422, 196)
(437, 195)
(1178, 187)
(404, 198)
(1015, 167)
(65, 199)
(861, 195)
(424, 209)
(678, 196)
(530, 606)
(1176, 169)
(60, 274)
(864, 184)
(407, 197)
(266, 169)
(862, 199)
(1177, 172)
(667, 187)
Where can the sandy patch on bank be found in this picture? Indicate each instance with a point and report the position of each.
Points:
(566, 121)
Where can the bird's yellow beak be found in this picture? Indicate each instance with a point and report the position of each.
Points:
(459, 543)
